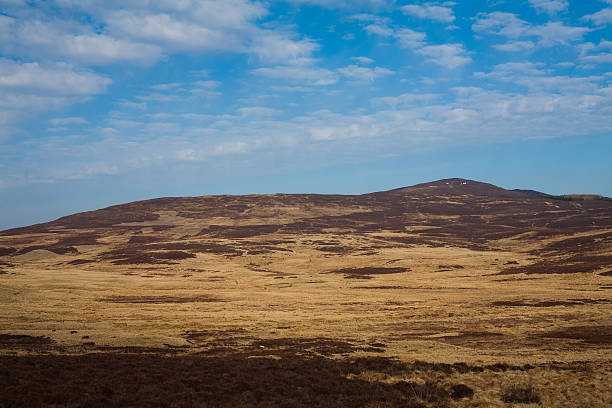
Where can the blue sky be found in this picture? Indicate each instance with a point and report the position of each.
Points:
(109, 102)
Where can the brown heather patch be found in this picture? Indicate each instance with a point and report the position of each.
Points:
(596, 335)
(160, 299)
(366, 272)
(550, 303)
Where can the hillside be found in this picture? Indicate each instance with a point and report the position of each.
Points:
(453, 281)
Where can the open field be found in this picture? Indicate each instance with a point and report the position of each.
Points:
(453, 293)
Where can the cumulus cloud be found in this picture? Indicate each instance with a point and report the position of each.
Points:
(550, 7)
(430, 12)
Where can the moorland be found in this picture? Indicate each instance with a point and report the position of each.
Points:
(453, 293)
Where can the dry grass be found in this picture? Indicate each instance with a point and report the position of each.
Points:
(343, 278)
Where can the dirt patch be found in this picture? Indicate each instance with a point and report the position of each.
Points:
(587, 334)
(160, 299)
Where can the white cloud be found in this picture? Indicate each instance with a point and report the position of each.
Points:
(144, 31)
(275, 47)
(405, 99)
(550, 7)
(429, 11)
(123, 123)
(446, 55)
(535, 78)
(596, 54)
(365, 74)
(52, 79)
(602, 17)
(510, 26)
(349, 4)
(70, 41)
(308, 75)
(363, 60)
(407, 38)
(209, 84)
(132, 104)
(501, 23)
(258, 111)
(175, 34)
(166, 87)
(68, 121)
(380, 29)
(510, 70)
(558, 33)
(515, 46)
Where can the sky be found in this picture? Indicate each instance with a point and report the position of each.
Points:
(106, 102)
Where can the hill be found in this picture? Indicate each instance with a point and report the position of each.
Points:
(399, 296)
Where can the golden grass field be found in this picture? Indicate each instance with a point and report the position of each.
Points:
(387, 299)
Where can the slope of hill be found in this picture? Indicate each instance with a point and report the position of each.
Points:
(451, 272)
